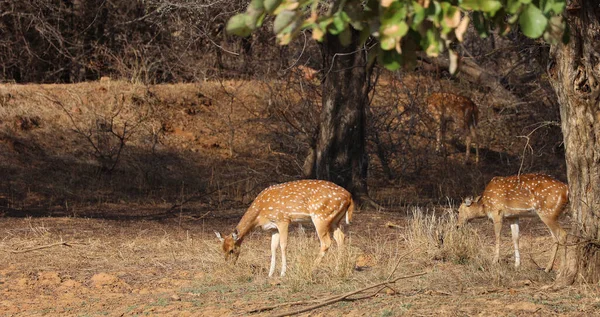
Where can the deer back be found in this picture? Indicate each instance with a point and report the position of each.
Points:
(444, 106)
(524, 193)
(297, 201)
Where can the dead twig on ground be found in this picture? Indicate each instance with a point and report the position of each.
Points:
(335, 299)
(67, 244)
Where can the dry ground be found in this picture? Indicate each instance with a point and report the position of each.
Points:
(110, 194)
(174, 268)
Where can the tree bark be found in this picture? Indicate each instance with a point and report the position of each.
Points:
(339, 152)
(574, 74)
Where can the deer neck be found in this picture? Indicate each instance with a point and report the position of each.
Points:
(247, 223)
(479, 209)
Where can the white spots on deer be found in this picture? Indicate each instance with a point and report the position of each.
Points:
(462, 111)
(518, 196)
(299, 201)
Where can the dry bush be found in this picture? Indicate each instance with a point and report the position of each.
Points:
(336, 267)
(442, 242)
(441, 239)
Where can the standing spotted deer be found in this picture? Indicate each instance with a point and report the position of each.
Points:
(448, 107)
(518, 196)
(322, 202)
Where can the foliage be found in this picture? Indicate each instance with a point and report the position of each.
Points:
(404, 26)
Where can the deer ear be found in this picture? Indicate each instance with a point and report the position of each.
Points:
(468, 201)
(234, 235)
(218, 234)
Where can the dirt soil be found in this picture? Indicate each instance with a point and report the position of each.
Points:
(173, 268)
(111, 192)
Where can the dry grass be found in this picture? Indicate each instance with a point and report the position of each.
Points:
(152, 261)
(442, 240)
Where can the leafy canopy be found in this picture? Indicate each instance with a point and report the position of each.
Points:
(404, 26)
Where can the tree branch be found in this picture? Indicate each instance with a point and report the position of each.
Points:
(476, 75)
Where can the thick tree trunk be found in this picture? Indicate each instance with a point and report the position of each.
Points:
(575, 75)
(339, 152)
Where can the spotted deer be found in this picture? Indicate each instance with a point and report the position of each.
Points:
(322, 202)
(306, 72)
(448, 107)
(518, 196)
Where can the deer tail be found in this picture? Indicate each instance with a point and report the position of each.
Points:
(349, 211)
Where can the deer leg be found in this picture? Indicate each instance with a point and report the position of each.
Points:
(514, 229)
(476, 142)
(339, 236)
(274, 245)
(323, 233)
(439, 136)
(559, 235)
(468, 145)
(497, 232)
(283, 232)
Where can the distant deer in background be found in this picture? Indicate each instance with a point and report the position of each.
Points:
(449, 107)
(322, 202)
(306, 72)
(518, 196)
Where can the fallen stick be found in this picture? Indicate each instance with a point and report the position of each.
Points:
(302, 302)
(67, 244)
(345, 296)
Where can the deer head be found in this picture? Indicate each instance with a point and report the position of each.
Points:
(470, 209)
(231, 247)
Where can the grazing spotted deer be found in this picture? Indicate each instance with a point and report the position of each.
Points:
(518, 196)
(322, 202)
(448, 107)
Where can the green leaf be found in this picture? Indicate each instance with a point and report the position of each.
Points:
(397, 30)
(254, 17)
(533, 22)
(394, 14)
(481, 24)
(490, 6)
(237, 25)
(387, 42)
(419, 14)
(433, 43)
(525, 1)
(470, 4)
(435, 13)
(256, 5)
(559, 6)
(271, 5)
(390, 59)
(512, 6)
(338, 25)
(556, 6)
(451, 15)
(283, 19)
(317, 33)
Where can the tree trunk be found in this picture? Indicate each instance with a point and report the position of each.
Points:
(339, 152)
(574, 74)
